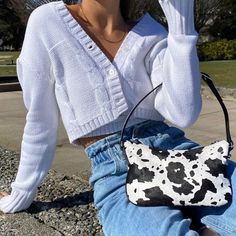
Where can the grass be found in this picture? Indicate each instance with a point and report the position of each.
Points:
(7, 58)
(223, 73)
(4, 71)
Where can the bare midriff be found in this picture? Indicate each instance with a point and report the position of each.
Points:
(86, 141)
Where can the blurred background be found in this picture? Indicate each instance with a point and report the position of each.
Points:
(215, 22)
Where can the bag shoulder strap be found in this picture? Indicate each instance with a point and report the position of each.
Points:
(211, 85)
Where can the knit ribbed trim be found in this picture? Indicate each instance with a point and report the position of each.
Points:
(106, 118)
(113, 127)
(107, 68)
(79, 33)
(77, 130)
(18, 200)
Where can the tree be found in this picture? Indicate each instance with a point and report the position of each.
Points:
(19, 8)
(224, 26)
(217, 17)
(11, 30)
(23, 8)
(206, 12)
(138, 8)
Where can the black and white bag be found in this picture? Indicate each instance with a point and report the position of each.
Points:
(195, 177)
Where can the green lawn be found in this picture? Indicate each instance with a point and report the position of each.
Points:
(7, 58)
(7, 70)
(223, 73)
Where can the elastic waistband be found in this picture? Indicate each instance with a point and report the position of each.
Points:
(150, 126)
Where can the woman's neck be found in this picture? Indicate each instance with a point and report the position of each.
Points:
(104, 15)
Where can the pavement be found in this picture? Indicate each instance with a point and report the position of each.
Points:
(61, 207)
(72, 160)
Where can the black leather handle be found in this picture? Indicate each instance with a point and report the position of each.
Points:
(209, 82)
(211, 85)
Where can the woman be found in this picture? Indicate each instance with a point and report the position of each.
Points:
(88, 64)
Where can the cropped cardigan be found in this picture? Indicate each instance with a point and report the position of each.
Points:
(63, 73)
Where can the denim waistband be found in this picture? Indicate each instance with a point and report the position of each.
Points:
(148, 127)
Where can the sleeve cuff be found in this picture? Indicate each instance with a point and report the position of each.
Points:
(180, 16)
(17, 201)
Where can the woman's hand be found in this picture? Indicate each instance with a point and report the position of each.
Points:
(3, 194)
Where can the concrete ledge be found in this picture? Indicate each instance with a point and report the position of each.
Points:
(7, 87)
(22, 224)
(8, 79)
(63, 206)
(224, 92)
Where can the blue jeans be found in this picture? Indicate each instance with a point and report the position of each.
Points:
(120, 217)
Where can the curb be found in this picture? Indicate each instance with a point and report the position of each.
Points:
(8, 87)
(224, 92)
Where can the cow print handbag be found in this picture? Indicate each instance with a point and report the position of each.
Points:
(195, 177)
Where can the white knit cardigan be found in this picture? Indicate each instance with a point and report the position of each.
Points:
(63, 72)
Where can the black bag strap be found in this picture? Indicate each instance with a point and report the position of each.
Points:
(209, 82)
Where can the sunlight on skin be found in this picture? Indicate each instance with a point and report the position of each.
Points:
(3, 194)
(209, 232)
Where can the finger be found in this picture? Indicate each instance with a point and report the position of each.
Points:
(3, 194)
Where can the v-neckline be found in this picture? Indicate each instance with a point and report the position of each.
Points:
(75, 26)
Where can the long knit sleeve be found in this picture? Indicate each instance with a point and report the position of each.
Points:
(174, 63)
(39, 138)
(42, 119)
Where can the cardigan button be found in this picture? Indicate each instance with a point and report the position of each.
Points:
(112, 72)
